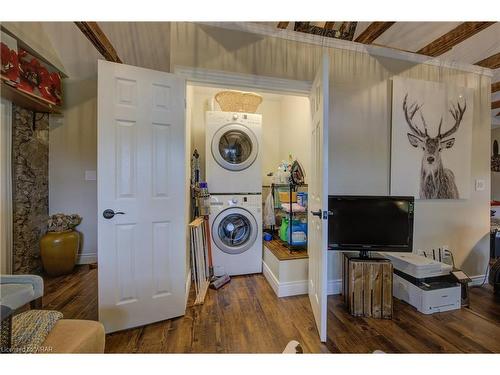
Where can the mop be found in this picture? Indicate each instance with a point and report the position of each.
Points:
(215, 282)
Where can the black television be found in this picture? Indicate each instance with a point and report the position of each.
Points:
(370, 223)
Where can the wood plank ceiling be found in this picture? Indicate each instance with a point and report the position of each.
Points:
(458, 35)
(100, 41)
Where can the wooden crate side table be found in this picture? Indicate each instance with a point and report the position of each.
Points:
(367, 286)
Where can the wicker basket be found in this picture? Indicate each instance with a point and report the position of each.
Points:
(238, 101)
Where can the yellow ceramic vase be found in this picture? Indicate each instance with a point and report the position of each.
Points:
(59, 251)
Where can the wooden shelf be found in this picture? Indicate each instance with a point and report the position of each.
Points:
(26, 100)
(282, 252)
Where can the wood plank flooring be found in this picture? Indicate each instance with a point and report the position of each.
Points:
(245, 316)
(468, 330)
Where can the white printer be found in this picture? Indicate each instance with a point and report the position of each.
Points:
(424, 283)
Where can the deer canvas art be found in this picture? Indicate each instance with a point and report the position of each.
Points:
(431, 120)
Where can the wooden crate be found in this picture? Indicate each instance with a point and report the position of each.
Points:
(367, 286)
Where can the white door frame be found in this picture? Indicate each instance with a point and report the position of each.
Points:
(217, 78)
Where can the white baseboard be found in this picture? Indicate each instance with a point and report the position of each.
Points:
(271, 279)
(86, 258)
(334, 287)
(295, 288)
(284, 289)
(477, 280)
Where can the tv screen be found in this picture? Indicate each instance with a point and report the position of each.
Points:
(370, 223)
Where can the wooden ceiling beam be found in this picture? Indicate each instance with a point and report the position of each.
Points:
(457, 35)
(495, 87)
(373, 31)
(492, 62)
(97, 37)
(495, 105)
(283, 25)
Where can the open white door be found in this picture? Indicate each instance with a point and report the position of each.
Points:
(318, 198)
(141, 178)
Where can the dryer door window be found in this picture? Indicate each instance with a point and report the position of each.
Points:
(234, 147)
(234, 230)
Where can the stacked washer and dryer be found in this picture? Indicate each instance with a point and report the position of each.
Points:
(234, 176)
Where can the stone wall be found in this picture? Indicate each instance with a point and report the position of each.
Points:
(30, 193)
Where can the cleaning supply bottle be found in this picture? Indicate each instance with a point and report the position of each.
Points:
(203, 199)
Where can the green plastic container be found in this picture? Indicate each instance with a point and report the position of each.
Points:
(284, 229)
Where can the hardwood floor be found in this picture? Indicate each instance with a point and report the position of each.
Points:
(468, 330)
(245, 316)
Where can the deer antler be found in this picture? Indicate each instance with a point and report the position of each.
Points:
(409, 114)
(458, 114)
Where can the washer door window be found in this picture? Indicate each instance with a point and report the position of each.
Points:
(234, 147)
(234, 230)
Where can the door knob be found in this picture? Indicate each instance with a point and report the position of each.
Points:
(316, 213)
(109, 214)
(322, 214)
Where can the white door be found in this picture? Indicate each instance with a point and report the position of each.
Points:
(318, 198)
(141, 177)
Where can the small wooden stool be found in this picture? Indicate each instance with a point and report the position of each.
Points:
(367, 286)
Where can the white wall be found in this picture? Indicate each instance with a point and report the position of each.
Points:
(295, 132)
(72, 151)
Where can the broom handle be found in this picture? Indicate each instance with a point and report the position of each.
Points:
(209, 247)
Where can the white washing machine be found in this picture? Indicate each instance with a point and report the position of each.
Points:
(233, 152)
(236, 233)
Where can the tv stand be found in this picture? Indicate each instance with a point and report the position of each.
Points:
(367, 285)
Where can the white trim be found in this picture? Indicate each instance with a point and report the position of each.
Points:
(209, 77)
(334, 287)
(266, 30)
(477, 280)
(284, 289)
(6, 188)
(271, 279)
(86, 258)
(293, 288)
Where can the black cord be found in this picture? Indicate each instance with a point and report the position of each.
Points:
(448, 252)
(487, 272)
(485, 275)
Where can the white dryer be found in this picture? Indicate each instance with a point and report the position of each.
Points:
(233, 152)
(236, 233)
